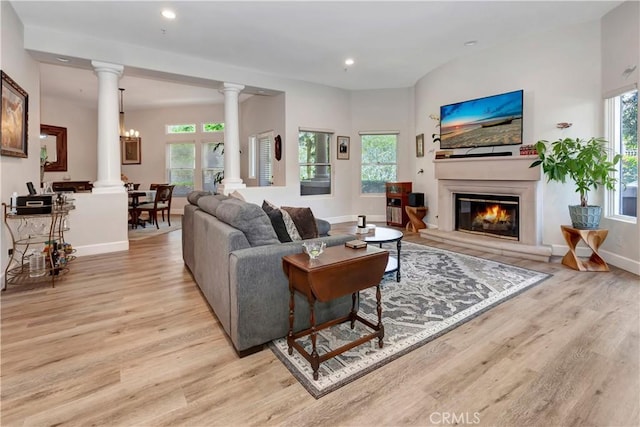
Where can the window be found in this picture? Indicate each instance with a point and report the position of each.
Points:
(213, 127)
(212, 165)
(181, 166)
(314, 160)
(265, 169)
(188, 128)
(379, 162)
(622, 132)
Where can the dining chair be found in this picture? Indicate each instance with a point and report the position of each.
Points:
(161, 203)
(155, 186)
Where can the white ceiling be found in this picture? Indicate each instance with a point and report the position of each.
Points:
(393, 43)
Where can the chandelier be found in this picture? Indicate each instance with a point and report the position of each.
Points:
(131, 133)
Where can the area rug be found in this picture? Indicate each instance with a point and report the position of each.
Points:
(150, 230)
(439, 290)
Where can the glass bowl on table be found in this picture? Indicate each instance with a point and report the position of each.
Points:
(314, 249)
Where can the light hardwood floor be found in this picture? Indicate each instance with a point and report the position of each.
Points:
(127, 339)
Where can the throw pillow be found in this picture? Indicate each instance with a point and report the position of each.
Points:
(292, 230)
(275, 215)
(289, 227)
(304, 221)
(236, 195)
(248, 218)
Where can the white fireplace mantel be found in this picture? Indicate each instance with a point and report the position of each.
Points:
(508, 176)
(488, 168)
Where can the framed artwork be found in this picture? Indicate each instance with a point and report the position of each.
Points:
(14, 121)
(343, 148)
(420, 145)
(130, 150)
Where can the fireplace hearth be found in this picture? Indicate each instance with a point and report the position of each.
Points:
(489, 215)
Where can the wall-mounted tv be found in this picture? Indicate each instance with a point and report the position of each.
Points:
(483, 122)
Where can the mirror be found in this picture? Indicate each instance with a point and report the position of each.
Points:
(55, 139)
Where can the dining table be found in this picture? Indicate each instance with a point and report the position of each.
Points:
(136, 198)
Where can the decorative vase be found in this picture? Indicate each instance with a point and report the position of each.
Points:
(585, 217)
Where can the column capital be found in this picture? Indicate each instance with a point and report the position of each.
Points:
(231, 87)
(108, 67)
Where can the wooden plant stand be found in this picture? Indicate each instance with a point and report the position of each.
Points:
(415, 217)
(593, 239)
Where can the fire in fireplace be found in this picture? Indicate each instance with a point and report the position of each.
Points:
(495, 216)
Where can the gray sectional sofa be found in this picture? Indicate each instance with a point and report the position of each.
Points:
(235, 257)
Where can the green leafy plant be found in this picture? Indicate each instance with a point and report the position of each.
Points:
(586, 162)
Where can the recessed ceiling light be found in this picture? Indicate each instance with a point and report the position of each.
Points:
(62, 59)
(169, 14)
(471, 43)
(349, 61)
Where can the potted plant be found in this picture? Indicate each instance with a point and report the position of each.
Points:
(587, 163)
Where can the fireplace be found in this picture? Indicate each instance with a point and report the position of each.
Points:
(491, 215)
(508, 176)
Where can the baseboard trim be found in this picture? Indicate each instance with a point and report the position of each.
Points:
(102, 248)
(627, 264)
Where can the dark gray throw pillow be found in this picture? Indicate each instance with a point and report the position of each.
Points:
(277, 222)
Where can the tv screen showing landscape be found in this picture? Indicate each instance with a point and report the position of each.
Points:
(483, 122)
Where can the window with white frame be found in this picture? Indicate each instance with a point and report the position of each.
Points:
(379, 163)
(181, 128)
(622, 133)
(315, 162)
(181, 167)
(212, 165)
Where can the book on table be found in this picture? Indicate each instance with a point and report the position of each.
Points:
(356, 244)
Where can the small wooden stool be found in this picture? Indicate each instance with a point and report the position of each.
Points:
(415, 217)
(593, 239)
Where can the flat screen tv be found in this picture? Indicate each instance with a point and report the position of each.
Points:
(483, 122)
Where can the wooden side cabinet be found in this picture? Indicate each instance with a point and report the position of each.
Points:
(397, 198)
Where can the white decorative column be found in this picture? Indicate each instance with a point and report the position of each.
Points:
(232, 180)
(108, 128)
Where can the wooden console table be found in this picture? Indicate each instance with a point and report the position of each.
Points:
(415, 217)
(339, 271)
(593, 239)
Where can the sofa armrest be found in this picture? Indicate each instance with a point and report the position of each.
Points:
(259, 294)
(323, 227)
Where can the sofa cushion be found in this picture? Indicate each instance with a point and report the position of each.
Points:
(304, 221)
(210, 204)
(248, 218)
(195, 195)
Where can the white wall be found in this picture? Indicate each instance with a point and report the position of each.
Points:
(380, 110)
(15, 172)
(263, 114)
(561, 77)
(82, 134)
(621, 49)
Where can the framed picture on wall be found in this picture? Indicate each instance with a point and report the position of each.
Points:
(343, 148)
(130, 150)
(420, 145)
(14, 121)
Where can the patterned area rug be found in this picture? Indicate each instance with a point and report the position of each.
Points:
(439, 291)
